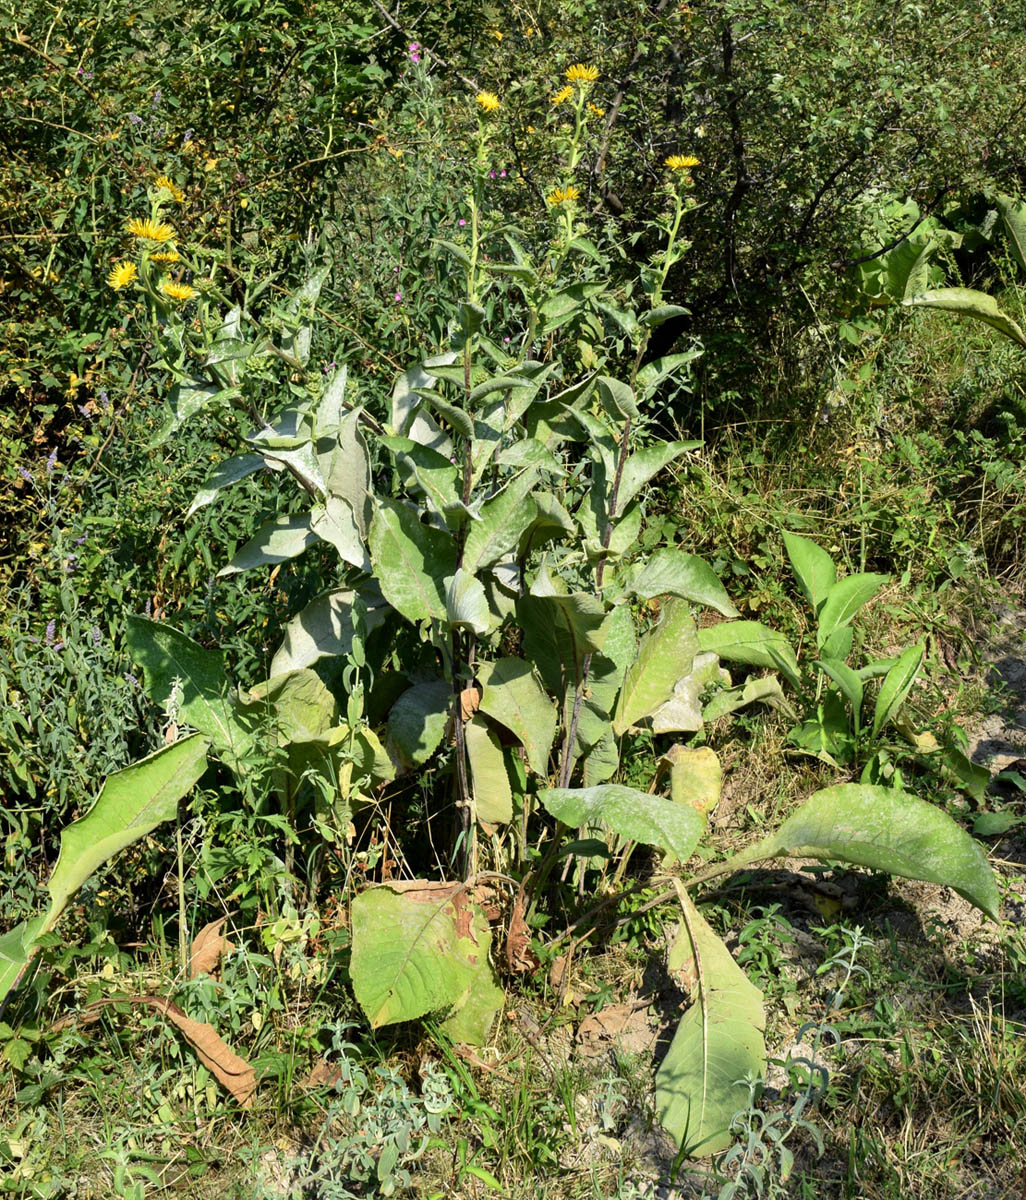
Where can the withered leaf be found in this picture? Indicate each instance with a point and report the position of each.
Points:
(207, 947)
(214, 1053)
(470, 702)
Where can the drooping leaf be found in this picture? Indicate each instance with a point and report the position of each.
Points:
(562, 306)
(422, 948)
(204, 695)
(1013, 217)
(967, 302)
(466, 603)
(617, 398)
(702, 1082)
(408, 416)
(750, 643)
(844, 600)
(411, 561)
(766, 690)
(682, 713)
(651, 820)
(335, 522)
(418, 720)
(276, 541)
(425, 470)
(897, 685)
(886, 830)
(230, 471)
(665, 655)
(813, 568)
(297, 703)
(643, 464)
(560, 628)
(16, 949)
(671, 572)
(324, 628)
(849, 683)
(131, 803)
(654, 373)
(493, 795)
(513, 696)
(346, 468)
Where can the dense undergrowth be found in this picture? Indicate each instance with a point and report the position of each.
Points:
(720, 234)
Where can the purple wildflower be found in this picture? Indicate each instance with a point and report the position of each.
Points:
(58, 645)
(80, 540)
(158, 95)
(149, 607)
(491, 174)
(135, 119)
(502, 174)
(105, 399)
(51, 462)
(51, 630)
(85, 412)
(97, 635)
(461, 222)
(26, 475)
(398, 296)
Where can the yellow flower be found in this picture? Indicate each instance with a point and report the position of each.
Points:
(121, 275)
(560, 96)
(165, 256)
(681, 162)
(179, 292)
(488, 101)
(169, 185)
(497, 34)
(596, 111)
(561, 195)
(579, 73)
(156, 231)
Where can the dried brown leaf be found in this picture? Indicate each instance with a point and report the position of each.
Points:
(207, 947)
(231, 1071)
(470, 702)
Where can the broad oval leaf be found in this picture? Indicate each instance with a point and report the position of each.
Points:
(886, 830)
(421, 948)
(813, 568)
(643, 464)
(848, 681)
(411, 561)
(671, 572)
(512, 695)
(276, 541)
(493, 795)
(751, 643)
(230, 471)
(418, 720)
(665, 655)
(651, 820)
(701, 1084)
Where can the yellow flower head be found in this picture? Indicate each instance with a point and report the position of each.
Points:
(488, 101)
(165, 256)
(579, 73)
(562, 195)
(560, 96)
(121, 275)
(156, 231)
(179, 292)
(681, 162)
(596, 111)
(169, 185)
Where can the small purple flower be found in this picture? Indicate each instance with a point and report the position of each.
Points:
(491, 174)
(502, 174)
(105, 399)
(414, 57)
(51, 630)
(88, 74)
(395, 270)
(26, 475)
(97, 635)
(130, 678)
(85, 412)
(79, 541)
(51, 462)
(149, 604)
(80, 71)
(135, 119)
(461, 222)
(158, 95)
(58, 645)
(187, 136)
(398, 296)
(505, 339)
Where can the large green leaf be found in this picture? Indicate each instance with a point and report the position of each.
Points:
(466, 603)
(504, 520)
(345, 465)
(664, 656)
(411, 561)
(418, 720)
(16, 949)
(844, 600)
(682, 713)
(335, 522)
(651, 820)
(750, 643)
(701, 1084)
(174, 664)
(560, 629)
(230, 471)
(671, 572)
(493, 795)
(849, 683)
(425, 470)
(1013, 217)
(297, 702)
(897, 684)
(276, 541)
(324, 628)
(886, 830)
(512, 695)
(131, 803)
(422, 948)
(813, 568)
(643, 464)
(967, 302)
